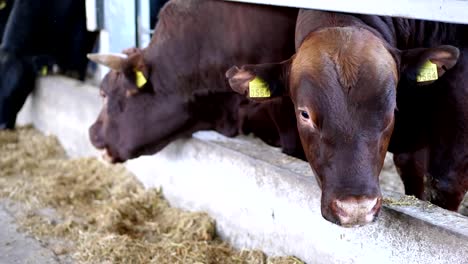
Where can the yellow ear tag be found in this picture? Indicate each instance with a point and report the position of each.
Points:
(428, 72)
(44, 70)
(140, 79)
(258, 88)
(2, 4)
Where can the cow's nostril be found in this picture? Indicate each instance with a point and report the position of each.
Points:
(356, 211)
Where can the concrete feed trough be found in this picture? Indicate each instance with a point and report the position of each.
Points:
(259, 197)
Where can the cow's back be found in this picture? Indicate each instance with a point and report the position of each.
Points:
(196, 42)
(202, 39)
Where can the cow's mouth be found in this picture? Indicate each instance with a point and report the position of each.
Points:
(112, 157)
(106, 155)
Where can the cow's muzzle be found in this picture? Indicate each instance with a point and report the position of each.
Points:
(356, 211)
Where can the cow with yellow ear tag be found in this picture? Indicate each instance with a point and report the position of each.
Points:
(176, 85)
(362, 85)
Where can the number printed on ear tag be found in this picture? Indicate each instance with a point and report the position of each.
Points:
(258, 88)
(428, 72)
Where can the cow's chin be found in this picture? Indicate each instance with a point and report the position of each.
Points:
(138, 151)
(159, 144)
(109, 158)
(148, 150)
(113, 155)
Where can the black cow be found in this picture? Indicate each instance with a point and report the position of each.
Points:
(5, 9)
(155, 7)
(38, 34)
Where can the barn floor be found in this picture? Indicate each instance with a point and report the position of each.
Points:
(18, 247)
(85, 211)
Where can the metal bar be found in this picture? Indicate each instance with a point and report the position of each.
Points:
(137, 23)
(453, 11)
(143, 23)
(91, 15)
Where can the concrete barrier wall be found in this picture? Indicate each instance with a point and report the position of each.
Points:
(259, 197)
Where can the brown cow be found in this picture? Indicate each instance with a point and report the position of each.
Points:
(343, 83)
(176, 85)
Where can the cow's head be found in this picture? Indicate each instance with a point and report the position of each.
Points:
(135, 119)
(144, 109)
(342, 81)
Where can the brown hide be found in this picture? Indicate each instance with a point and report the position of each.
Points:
(344, 80)
(195, 42)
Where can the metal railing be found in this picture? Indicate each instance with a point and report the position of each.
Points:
(453, 11)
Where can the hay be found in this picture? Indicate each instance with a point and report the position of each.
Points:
(21, 152)
(100, 213)
(407, 200)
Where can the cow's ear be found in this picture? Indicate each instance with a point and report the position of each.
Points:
(426, 65)
(262, 81)
(137, 71)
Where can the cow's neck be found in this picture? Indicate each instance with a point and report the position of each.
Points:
(311, 21)
(212, 103)
(399, 33)
(417, 33)
(174, 72)
(217, 111)
(405, 34)
(213, 108)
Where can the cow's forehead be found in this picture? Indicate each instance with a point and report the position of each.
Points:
(341, 56)
(110, 81)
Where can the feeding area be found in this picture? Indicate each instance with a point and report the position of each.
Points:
(256, 131)
(91, 212)
(265, 202)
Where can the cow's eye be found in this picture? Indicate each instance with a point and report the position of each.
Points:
(305, 117)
